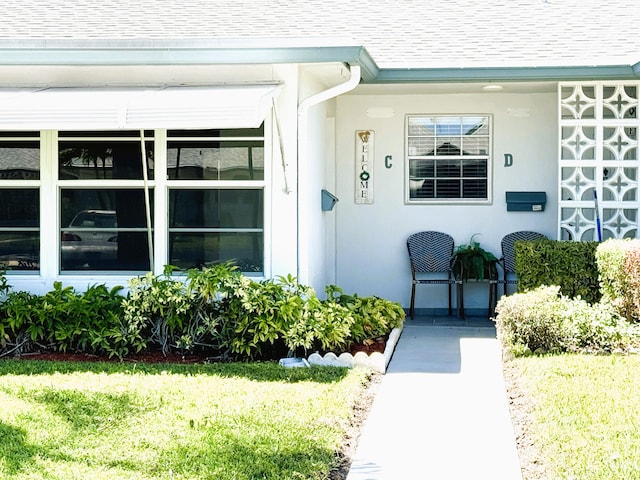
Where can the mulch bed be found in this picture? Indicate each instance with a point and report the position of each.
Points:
(151, 356)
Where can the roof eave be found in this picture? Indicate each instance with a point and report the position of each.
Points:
(245, 52)
(93, 54)
(505, 74)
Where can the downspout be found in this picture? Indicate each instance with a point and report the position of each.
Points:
(302, 161)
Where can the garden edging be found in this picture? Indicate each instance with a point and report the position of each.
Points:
(376, 361)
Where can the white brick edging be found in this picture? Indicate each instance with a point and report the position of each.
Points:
(376, 361)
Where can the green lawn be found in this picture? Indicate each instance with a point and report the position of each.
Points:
(587, 414)
(126, 421)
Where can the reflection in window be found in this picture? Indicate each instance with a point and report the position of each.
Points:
(19, 160)
(103, 229)
(87, 160)
(213, 225)
(20, 229)
(448, 157)
(236, 154)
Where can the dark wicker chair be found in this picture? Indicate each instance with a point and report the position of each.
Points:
(430, 254)
(508, 260)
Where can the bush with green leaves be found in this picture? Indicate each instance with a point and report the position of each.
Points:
(543, 321)
(610, 258)
(64, 320)
(159, 309)
(271, 315)
(570, 265)
(215, 309)
(374, 317)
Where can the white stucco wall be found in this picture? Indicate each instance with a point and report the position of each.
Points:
(371, 249)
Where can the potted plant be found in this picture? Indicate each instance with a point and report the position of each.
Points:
(472, 262)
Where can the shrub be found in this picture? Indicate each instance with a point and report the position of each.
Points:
(533, 321)
(64, 320)
(16, 313)
(631, 298)
(373, 316)
(619, 266)
(570, 265)
(215, 309)
(599, 329)
(284, 313)
(158, 309)
(543, 320)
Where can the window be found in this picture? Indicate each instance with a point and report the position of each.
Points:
(20, 201)
(203, 192)
(103, 211)
(448, 158)
(216, 197)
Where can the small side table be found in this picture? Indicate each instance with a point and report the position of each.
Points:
(491, 280)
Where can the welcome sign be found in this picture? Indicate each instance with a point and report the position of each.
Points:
(364, 166)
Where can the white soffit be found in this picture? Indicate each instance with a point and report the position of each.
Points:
(133, 108)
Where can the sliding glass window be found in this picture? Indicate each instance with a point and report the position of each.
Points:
(20, 201)
(103, 203)
(216, 197)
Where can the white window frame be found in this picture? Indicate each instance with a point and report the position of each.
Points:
(50, 187)
(100, 184)
(31, 184)
(444, 201)
(220, 185)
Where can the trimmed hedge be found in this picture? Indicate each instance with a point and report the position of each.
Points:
(619, 265)
(570, 265)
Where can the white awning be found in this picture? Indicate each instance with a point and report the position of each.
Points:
(134, 108)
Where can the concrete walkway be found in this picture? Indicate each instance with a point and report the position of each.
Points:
(441, 411)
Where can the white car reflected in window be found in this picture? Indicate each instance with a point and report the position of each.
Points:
(90, 241)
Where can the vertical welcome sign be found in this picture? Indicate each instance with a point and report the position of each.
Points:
(364, 166)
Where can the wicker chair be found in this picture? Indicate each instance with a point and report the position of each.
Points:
(430, 254)
(508, 259)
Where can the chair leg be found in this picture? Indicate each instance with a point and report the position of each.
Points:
(493, 294)
(413, 298)
(449, 299)
(460, 299)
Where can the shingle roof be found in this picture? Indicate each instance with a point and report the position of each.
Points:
(399, 34)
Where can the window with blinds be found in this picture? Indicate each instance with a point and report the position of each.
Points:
(448, 158)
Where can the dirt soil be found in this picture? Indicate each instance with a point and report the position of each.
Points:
(521, 407)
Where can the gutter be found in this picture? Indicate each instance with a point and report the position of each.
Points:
(302, 161)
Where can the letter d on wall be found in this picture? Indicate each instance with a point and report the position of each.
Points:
(508, 159)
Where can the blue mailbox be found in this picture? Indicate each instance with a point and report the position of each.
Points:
(526, 201)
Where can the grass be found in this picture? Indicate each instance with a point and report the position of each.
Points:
(587, 414)
(115, 420)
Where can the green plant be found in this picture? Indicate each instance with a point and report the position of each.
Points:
(324, 325)
(543, 320)
(64, 320)
(158, 309)
(16, 313)
(373, 316)
(570, 265)
(471, 261)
